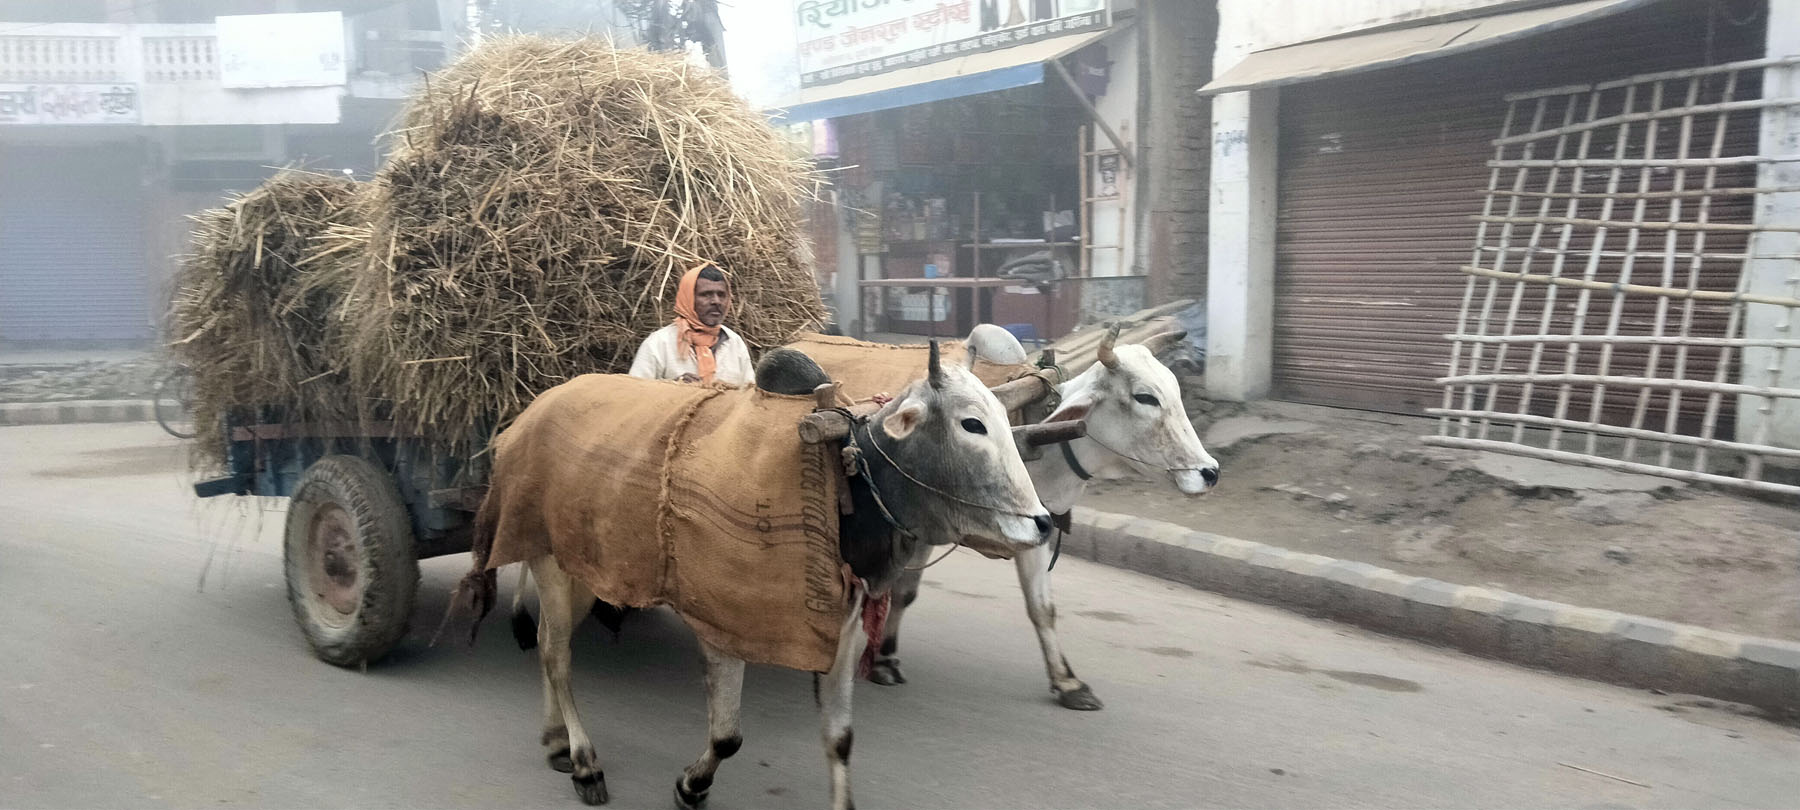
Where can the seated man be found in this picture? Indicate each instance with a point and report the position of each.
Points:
(697, 346)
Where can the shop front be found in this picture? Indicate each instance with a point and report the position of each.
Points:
(983, 186)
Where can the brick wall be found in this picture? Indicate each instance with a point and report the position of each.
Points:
(1180, 35)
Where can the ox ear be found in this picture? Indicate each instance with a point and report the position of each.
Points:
(1077, 407)
(904, 420)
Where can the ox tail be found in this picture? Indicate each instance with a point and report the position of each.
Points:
(478, 586)
(524, 628)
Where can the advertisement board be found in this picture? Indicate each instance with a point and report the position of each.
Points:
(846, 39)
(282, 50)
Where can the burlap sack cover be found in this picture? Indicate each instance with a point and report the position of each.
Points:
(700, 498)
(867, 369)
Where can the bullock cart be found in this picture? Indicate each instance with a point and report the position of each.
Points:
(368, 500)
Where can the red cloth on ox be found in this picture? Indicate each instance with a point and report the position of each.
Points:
(874, 620)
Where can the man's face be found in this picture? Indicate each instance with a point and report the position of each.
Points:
(711, 300)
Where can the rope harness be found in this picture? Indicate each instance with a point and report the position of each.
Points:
(860, 460)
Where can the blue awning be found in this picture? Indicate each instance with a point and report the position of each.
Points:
(985, 72)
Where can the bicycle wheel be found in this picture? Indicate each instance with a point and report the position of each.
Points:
(173, 403)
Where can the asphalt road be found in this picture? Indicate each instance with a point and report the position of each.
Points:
(148, 659)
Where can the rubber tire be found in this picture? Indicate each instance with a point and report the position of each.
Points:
(385, 563)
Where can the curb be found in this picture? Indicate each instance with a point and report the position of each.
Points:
(75, 412)
(1601, 645)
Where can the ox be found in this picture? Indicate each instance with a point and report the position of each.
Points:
(944, 468)
(1135, 421)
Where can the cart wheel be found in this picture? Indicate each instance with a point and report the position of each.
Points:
(351, 573)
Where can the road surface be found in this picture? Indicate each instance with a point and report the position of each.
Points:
(149, 660)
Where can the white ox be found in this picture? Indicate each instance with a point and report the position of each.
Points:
(1135, 421)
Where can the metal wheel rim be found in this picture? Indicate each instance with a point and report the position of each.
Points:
(332, 571)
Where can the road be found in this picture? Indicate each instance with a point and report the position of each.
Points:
(150, 661)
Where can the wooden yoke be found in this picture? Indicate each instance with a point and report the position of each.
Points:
(824, 426)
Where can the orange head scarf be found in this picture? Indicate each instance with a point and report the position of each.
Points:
(689, 331)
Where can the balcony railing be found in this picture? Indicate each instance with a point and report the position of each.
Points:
(60, 59)
(181, 59)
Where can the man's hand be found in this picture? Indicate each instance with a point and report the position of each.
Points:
(688, 378)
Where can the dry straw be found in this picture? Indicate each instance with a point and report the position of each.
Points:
(542, 201)
(254, 306)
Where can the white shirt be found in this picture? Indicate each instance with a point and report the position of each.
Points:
(662, 357)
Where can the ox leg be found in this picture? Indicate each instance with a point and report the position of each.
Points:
(562, 603)
(724, 703)
(832, 690)
(1034, 579)
(886, 669)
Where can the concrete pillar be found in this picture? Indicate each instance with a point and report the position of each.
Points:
(1758, 419)
(1240, 301)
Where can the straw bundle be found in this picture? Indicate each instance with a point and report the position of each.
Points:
(254, 304)
(543, 200)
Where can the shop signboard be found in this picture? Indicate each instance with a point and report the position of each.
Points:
(282, 50)
(64, 104)
(847, 39)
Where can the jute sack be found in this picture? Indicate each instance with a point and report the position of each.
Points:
(701, 498)
(866, 369)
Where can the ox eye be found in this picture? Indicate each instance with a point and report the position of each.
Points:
(1146, 399)
(974, 426)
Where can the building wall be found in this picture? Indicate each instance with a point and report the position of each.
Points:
(1240, 241)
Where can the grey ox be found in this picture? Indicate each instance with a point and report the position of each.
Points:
(1135, 421)
(944, 434)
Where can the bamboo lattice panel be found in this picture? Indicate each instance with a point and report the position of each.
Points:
(1603, 322)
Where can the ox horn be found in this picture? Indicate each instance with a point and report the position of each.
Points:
(934, 371)
(1163, 341)
(1105, 354)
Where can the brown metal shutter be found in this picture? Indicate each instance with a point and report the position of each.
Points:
(1380, 174)
(72, 246)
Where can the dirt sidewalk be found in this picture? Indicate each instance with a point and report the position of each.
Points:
(1360, 486)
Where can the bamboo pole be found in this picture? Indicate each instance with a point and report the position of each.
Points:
(1571, 353)
(1639, 209)
(1652, 340)
(1632, 163)
(1564, 238)
(1678, 226)
(1684, 254)
(1685, 73)
(1635, 382)
(1654, 115)
(1646, 289)
(1695, 265)
(1610, 464)
(1671, 242)
(1625, 432)
(1537, 234)
(1734, 191)
(1468, 296)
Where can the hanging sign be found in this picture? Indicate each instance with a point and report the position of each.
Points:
(845, 39)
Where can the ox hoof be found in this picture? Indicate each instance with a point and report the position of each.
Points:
(1081, 700)
(591, 788)
(887, 672)
(560, 761)
(685, 800)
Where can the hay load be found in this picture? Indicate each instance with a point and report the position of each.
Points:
(541, 203)
(255, 302)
